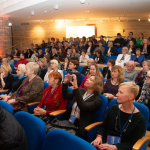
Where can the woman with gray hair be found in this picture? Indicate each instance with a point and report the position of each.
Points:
(129, 73)
(123, 58)
(17, 81)
(53, 67)
(30, 90)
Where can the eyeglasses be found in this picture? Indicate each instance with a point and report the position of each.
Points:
(148, 77)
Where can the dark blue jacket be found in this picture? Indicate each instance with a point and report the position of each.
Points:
(140, 59)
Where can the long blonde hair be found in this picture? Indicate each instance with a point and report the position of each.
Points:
(98, 73)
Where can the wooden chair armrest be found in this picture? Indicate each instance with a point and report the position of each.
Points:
(33, 103)
(56, 113)
(140, 142)
(91, 126)
(4, 90)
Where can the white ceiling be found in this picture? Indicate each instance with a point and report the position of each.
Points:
(73, 9)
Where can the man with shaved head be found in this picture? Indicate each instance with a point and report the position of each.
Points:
(86, 69)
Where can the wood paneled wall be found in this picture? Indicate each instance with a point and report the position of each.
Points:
(47, 29)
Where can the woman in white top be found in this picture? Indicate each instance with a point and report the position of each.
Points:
(123, 58)
(53, 67)
(84, 57)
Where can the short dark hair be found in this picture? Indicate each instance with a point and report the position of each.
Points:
(22, 54)
(131, 32)
(75, 62)
(138, 49)
(83, 50)
(98, 51)
(11, 56)
(112, 61)
(36, 55)
(118, 34)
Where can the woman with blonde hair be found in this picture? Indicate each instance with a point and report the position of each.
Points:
(129, 73)
(6, 77)
(94, 70)
(123, 58)
(17, 81)
(112, 85)
(118, 115)
(43, 67)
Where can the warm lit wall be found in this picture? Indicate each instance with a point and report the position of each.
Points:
(48, 29)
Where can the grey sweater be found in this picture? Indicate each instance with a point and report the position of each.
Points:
(130, 76)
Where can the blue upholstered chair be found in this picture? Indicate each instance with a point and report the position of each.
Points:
(12, 68)
(101, 70)
(80, 68)
(91, 56)
(141, 143)
(6, 106)
(34, 128)
(82, 77)
(15, 61)
(59, 139)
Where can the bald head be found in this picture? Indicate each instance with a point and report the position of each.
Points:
(90, 61)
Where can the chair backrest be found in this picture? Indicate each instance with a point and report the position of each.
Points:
(64, 73)
(69, 101)
(119, 50)
(141, 107)
(80, 68)
(12, 68)
(34, 128)
(99, 115)
(82, 77)
(101, 70)
(6, 106)
(15, 76)
(126, 81)
(104, 81)
(59, 139)
(45, 85)
(91, 56)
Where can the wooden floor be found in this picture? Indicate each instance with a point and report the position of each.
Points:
(148, 134)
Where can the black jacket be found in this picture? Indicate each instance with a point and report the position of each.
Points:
(42, 72)
(106, 71)
(91, 50)
(100, 59)
(85, 70)
(12, 135)
(87, 108)
(120, 41)
(112, 50)
(15, 85)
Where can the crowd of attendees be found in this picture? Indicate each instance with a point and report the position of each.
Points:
(59, 57)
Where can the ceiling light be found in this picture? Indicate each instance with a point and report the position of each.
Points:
(86, 11)
(119, 19)
(82, 1)
(40, 21)
(9, 24)
(56, 7)
(32, 13)
(45, 11)
(139, 19)
(148, 19)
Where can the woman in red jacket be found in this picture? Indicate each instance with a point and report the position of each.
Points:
(52, 98)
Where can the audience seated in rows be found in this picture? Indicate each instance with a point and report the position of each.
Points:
(42, 67)
(84, 57)
(90, 48)
(30, 90)
(129, 38)
(123, 58)
(47, 58)
(101, 40)
(138, 58)
(53, 67)
(86, 69)
(119, 41)
(61, 54)
(52, 98)
(98, 57)
(29, 53)
(65, 65)
(94, 71)
(17, 81)
(110, 51)
(84, 103)
(12, 134)
(75, 53)
(40, 52)
(112, 85)
(36, 58)
(142, 74)
(34, 53)
(54, 53)
(7, 78)
(129, 73)
(107, 70)
(117, 117)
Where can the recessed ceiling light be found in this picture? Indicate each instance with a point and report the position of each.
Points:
(82, 1)
(148, 19)
(86, 11)
(139, 19)
(88, 3)
(45, 11)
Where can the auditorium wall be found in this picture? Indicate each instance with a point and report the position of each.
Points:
(47, 29)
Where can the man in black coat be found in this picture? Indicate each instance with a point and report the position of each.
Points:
(86, 69)
(12, 135)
